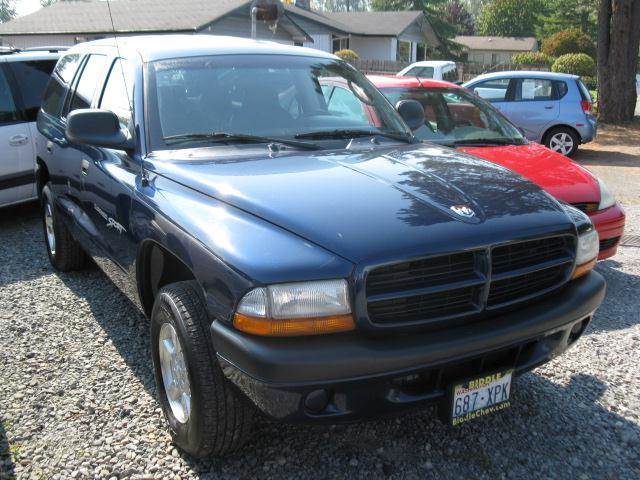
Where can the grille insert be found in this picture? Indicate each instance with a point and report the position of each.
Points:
(435, 290)
(608, 243)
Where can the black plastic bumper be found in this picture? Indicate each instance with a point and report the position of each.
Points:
(351, 376)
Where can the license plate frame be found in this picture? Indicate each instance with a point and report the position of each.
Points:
(479, 384)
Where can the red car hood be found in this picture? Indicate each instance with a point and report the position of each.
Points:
(561, 177)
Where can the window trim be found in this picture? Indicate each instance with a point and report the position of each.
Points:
(105, 82)
(73, 85)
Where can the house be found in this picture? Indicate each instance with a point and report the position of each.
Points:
(373, 35)
(494, 50)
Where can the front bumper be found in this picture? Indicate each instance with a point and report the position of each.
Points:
(610, 226)
(345, 377)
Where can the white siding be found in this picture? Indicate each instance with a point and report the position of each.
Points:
(374, 48)
(485, 56)
(320, 42)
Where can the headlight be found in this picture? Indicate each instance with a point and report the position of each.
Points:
(289, 309)
(606, 197)
(587, 252)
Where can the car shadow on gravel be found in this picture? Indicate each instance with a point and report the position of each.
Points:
(552, 430)
(7, 470)
(616, 311)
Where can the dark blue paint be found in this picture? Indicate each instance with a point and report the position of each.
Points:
(240, 216)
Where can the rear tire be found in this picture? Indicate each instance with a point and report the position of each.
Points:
(562, 140)
(65, 253)
(217, 420)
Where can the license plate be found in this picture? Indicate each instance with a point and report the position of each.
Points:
(480, 396)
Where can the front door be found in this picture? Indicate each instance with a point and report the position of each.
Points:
(17, 158)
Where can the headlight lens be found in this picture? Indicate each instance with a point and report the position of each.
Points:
(587, 253)
(606, 197)
(288, 309)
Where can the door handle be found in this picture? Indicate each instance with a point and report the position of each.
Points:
(549, 107)
(85, 167)
(18, 140)
(49, 146)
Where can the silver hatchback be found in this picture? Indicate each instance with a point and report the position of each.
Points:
(550, 108)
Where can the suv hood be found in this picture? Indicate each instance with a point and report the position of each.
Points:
(374, 205)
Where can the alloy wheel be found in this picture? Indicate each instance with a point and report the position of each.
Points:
(50, 233)
(562, 143)
(175, 376)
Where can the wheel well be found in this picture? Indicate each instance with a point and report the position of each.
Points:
(568, 127)
(42, 175)
(158, 267)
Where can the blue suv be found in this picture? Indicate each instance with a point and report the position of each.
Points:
(551, 108)
(297, 251)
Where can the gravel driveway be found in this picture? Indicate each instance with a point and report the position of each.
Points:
(77, 395)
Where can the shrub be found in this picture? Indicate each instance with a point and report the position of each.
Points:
(347, 55)
(575, 64)
(537, 59)
(571, 40)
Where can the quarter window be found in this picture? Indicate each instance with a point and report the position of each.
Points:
(89, 78)
(32, 78)
(8, 111)
(118, 93)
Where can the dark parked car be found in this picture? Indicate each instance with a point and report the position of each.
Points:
(294, 246)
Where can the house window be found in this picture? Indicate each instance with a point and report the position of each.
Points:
(495, 59)
(404, 51)
(339, 43)
(421, 52)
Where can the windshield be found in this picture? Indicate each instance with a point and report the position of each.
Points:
(274, 96)
(455, 117)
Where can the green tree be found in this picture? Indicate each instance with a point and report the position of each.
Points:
(433, 9)
(568, 41)
(455, 12)
(509, 18)
(7, 10)
(560, 15)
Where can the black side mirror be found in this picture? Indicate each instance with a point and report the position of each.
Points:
(411, 112)
(100, 128)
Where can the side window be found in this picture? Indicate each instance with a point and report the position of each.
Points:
(118, 92)
(345, 103)
(561, 88)
(92, 74)
(494, 90)
(534, 89)
(32, 78)
(8, 111)
(59, 83)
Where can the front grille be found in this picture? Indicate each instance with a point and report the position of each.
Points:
(608, 243)
(434, 290)
(586, 207)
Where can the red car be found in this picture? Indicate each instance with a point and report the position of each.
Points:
(457, 118)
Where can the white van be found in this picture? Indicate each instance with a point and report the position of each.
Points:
(435, 69)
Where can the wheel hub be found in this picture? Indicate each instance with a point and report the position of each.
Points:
(175, 376)
(48, 223)
(561, 143)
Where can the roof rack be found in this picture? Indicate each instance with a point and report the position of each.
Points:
(51, 49)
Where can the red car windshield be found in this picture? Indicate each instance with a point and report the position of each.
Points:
(456, 117)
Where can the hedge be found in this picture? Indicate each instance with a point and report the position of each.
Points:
(575, 64)
(571, 40)
(347, 55)
(537, 59)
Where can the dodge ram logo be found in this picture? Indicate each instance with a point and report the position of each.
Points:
(463, 211)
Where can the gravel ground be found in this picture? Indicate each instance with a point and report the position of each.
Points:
(77, 395)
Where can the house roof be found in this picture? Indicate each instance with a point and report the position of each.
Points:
(525, 44)
(376, 23)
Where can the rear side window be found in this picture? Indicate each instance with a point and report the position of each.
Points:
(494, 90)
(8, 112)
(32, 78)
(59, 82)
(584, 91)
(92, 74)
(561, 88)
(534, 89)
(118, 92)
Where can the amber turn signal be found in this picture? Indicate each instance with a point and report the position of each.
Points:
(583, 269)
(294, 326)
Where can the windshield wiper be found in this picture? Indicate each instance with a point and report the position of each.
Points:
(346, 133)
(483, 141)
(234, 137)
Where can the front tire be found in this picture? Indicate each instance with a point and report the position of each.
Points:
(65, 253)
(562, 140)
(206, 417)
